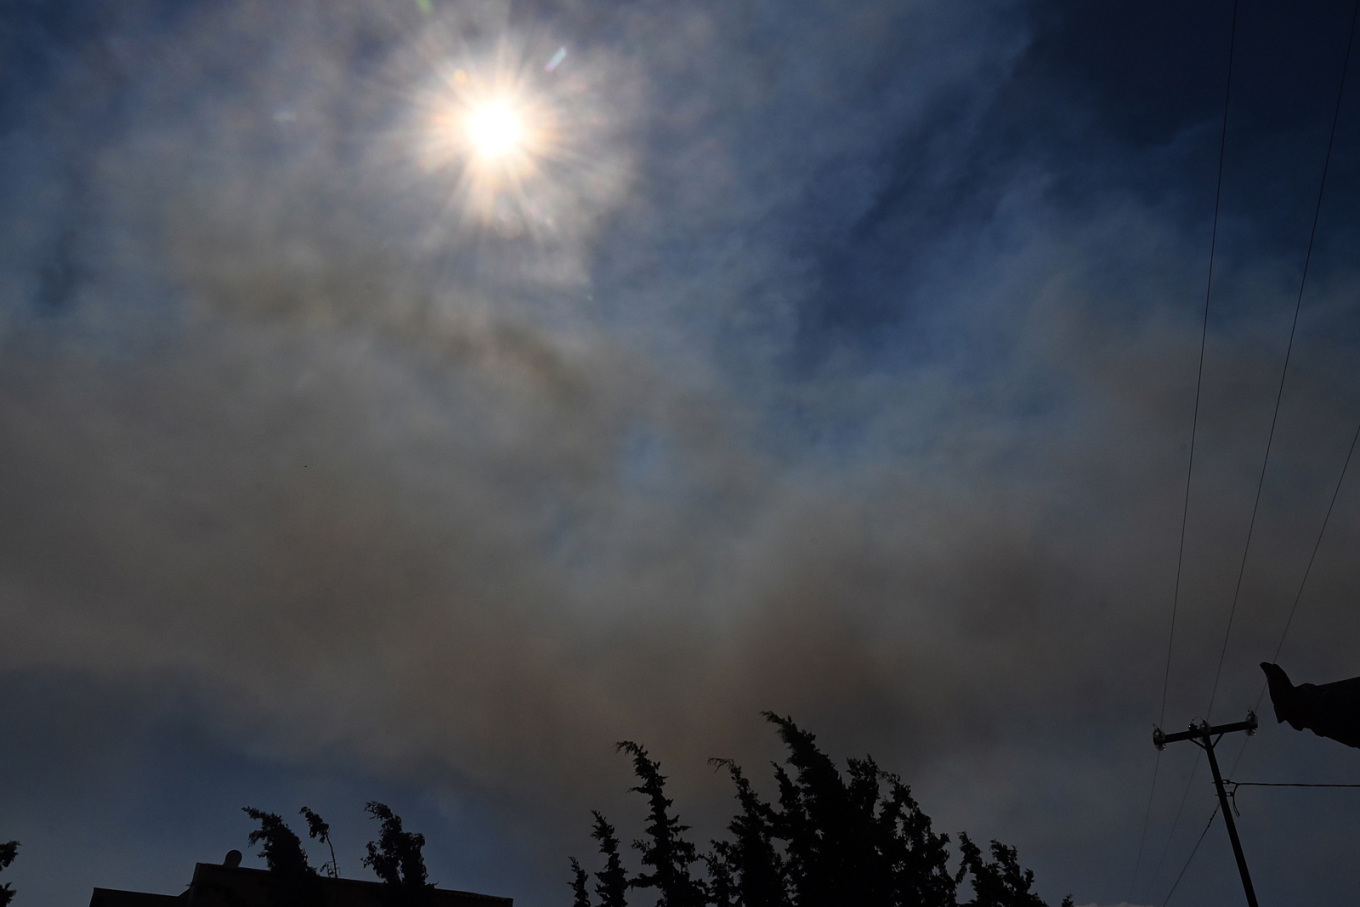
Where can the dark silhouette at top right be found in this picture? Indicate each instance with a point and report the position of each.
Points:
(1327, 709)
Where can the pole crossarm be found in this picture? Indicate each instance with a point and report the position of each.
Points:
(1200, 730)
(1206, 736)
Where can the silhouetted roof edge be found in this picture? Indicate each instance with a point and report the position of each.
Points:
(205, 871)
(210, 878)
(117, 897)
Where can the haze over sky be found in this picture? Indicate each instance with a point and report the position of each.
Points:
(836, 358)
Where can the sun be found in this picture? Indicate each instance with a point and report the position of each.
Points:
(510, 141)
(496, 130)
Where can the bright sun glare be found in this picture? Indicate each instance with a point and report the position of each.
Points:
(495, 130)
(495, 127)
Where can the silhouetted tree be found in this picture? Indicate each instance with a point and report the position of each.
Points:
(665, 848)
(1000, 883)
(835, 855)
(721, 887)
(611, 883)
(830, 840)
(396, 857)
(919, 858)
(319, 830)
(282, 851)
(295, 883)
(750, 859)
(8, 851)
(579, 878)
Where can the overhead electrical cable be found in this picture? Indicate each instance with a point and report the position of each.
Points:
(1317, 544)
(1190, 859)
(1199, 370)
(1171, 835)
(1147, 816)
(1289, 348)
(1237, 784)
(1190, 463)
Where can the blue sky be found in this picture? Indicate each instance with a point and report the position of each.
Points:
(835, 359)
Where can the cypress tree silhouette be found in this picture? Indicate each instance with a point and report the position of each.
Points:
(832, 840)
(664, 849)
(611, 883)
(721, 887)
(8, 851)
(830, 826)
(1000, 883)
(396, 858)
(919, 858)
(750, 858)
(580, 896)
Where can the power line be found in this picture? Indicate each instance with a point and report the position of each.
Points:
(1289, 349)
(1298, 305)
(1237, 784)
(1147, 816)
(1317, 544)
(1199, 371)
(1188, 860)
(1175, 823)
(1265, 462)
(1190, 464)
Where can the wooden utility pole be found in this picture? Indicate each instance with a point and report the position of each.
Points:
(1206, 737)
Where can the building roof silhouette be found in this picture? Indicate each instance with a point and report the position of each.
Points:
(216, 885)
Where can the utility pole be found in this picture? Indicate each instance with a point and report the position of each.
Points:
(1206, 737)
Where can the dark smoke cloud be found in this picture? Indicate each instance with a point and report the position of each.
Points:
(466, 509)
